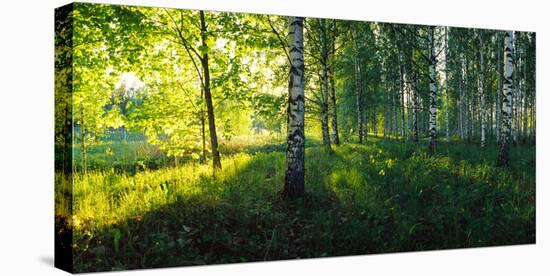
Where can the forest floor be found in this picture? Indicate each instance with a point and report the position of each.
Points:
(381, 196)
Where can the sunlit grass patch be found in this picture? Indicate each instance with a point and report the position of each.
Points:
(382, 196)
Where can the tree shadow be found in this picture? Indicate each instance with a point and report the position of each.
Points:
(350, 208)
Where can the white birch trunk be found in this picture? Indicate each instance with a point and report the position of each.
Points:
(447, 85)
(395, 111)
(358, 96)
(481, 89)
(499, 92)
(294, 176)
(402, 101)
(461, 99)
(433, 95)
(415, 109)
(333, 108)
(504, 154)
(514, 126)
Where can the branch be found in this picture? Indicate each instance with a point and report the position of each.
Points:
(188, 48)
(180, 34)
(310, 38)
(283, 44)
(187, 95)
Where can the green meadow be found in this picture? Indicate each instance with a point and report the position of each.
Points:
(383, 196)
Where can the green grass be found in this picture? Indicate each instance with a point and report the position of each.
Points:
(384, 196)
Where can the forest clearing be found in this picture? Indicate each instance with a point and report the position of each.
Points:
(191, 137)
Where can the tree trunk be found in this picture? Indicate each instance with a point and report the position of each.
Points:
(504, 154)
(409, 109)
(395, 109)
(385, 113)
(467, 101)
(358, 92)
(203, 129)
(499, 92)
(216, 162)
(333, 109)
(324, 84)
(481, 89)
(365, 123)
(68, 138)
(415, 109)
(402, 97)
(447, 86)
(460, 103)
(83, 140)
(525, 101)
(514, 125)
(295, 151)
(374, 124)
(433, 109)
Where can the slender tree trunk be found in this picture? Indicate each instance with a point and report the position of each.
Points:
(504, 154)
(324, 85)
(84, 163)
(402, 90)
(481, 89)
(460, 104)
(490, 113)
(295, 151)
(514, 126)
(415, 109)
(216, 162)
(365, 124)
(499, 92)
(334, 110)
(433, 90)
(385, 112)
(395, 108)
(534, 104)
(410, 104)
(203, 129)
(460, 111)
(385, 122)
(364, 84)
(467, 103)
(447, 85)
(374, 124)
(525, 101)
(358, 92)
(67, 138)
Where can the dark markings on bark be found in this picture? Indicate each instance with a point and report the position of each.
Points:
(295, 151)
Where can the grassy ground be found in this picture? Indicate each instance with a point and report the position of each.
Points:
(384, 196)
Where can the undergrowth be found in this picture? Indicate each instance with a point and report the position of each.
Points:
(383, 196)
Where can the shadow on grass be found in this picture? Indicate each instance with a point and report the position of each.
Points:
(361, 199)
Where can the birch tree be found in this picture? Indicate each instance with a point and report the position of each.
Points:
(294, 177)
(481, 89)
(415, 108)
(358, 90)
(447, 107)
(504, 154)
(499, 94)
(433, 95)
(402, 98)
(333, 107)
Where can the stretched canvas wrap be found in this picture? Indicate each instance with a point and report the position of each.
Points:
(187, 137)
